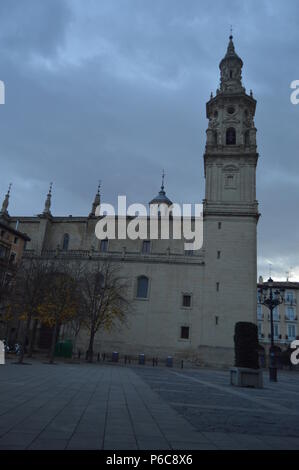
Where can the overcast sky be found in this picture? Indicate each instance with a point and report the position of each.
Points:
(116, 90)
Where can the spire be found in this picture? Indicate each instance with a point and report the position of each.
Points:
(47, 208)
(97, 201)
(231, 53)
(231, 69)
(4, 211)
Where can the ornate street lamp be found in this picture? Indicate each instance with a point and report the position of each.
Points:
(271, 299)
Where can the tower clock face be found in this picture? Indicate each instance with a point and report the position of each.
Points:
(231, 110)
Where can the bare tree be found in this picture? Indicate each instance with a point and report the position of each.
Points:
(104, 299)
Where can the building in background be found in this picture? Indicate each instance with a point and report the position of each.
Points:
(12, 242)
(12, 246)
(285, 320)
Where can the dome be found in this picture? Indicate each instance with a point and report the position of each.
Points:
(161, 198)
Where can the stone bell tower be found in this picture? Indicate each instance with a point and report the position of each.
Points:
(230, 213)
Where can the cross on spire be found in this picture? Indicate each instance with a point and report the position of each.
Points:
(163, 179)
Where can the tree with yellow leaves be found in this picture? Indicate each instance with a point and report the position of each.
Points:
(29, 289)
(60, 303)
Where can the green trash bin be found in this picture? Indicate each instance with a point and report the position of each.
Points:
(64, 349)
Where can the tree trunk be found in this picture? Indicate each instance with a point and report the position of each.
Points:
(32, 339)
(23, 342)
(52, 349)
(90, 347)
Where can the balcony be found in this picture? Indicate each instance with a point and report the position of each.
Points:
(166, 257)
(288, 318)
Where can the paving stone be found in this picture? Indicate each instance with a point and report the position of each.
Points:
(49, 444)
(71, 407)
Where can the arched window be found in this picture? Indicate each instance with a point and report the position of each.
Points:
(65, 243)
(142, 287)
(231, 136)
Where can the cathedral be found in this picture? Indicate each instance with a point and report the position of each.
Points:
(185, 303)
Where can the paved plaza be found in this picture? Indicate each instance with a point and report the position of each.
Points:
(73, 406)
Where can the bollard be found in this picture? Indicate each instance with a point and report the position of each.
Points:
(115, 356)
(182, 364)
(86, 356)
(98, 358)
(169, 361)
(126, 358)
(79, 354)
(154, 362)
(141, 359)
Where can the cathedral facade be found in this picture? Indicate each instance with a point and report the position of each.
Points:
(185, 304)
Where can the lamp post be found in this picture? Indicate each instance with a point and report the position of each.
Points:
(271, 299)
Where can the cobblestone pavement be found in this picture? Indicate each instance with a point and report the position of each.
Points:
(72, 406)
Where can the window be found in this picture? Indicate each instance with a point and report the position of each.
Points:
(104, 246)
(231, 136)
(186, 301)
(16, 240)
(65, 243)
(216, 320)
(290, 314)
(100, 282)
(229, 181)
(291, 331)
(259, 312)
(217, 286)
(215, 138)
(276, 330)
(12, 257)
(188, 252)
(230, 74)
(289, 297)
(146, 247)
(185, 330)
(3, 252)
(219, 225)
(275, 314)
(218, 254)
(246, 138)
(142, 287)
(260, 329)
